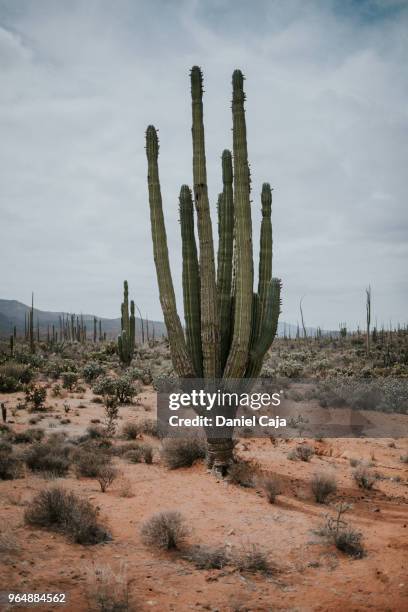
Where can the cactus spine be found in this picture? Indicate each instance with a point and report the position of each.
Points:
(229, 328)
(126, 339)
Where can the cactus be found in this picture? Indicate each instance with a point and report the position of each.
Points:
(126, 339)
(228, 327)
(31, 325)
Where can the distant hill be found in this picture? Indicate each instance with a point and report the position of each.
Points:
(12, 313)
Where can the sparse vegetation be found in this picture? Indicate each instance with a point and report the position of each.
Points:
(323, 485)
(166, 530)
(182, 452)
(59, 510)
(302, 452)
(364, 477)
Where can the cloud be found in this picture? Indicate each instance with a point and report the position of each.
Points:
(327, 126)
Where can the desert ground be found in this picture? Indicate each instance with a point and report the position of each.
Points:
(277, 553)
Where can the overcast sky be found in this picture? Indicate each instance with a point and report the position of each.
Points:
(327, 120)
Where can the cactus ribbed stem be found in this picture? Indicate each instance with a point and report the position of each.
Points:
(191, 280)
(210, 331)
(265, 255)
(237, 359)
(225, 254)
(180, 356)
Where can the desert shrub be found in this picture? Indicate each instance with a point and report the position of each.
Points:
(142, 452)
(130, 430)
(28, 436)
(92, 370)
(271, 486)
(354, 462)
(205, 557)
(106, 475)
(364, 477)
(88, 463)
(13, 375)
(290, 368)
(36, 396)
(10, 465)
(69, 380)
(166, 530)
(149, 427)
(243, 473)
(252, 559)
(303, 452)
(5, 445)
(56, 390)
(8, 543)
(111, 416)
(121, 387)
(94, 431)
(404, 458)
(62, 511)
(349, 541)
(49, 457)
(322, 486)
(182, 452)
(108, 590)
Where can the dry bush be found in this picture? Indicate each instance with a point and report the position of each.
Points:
(243, 473)
(165, 530)
(404, 458)
(108, 590)
(88, 462)
(182, 452)
(364, 477)
(252, 559)
(303, 452)
(28, 436)
(149, 427)
(8, 543)
(62, 511)
(94, 432)
(125, 488)
(322, 486)
(142, 452)
(106, 476)
(348, 540)
(205, 557)
(271, 486)
(50, 457)
(354, 462)
(11, 466)
(130, 430)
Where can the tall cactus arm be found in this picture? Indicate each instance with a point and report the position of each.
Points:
(210, 331)
(125, 306)
(191, 280)
(268, 330)
(265, 255)
(179, 352)
(132, 325)
(225, 254)
(237, 358)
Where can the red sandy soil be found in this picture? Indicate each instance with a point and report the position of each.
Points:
(310, 573)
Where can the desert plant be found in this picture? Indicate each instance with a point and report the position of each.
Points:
(364, 477)
(62, 511)
(304, 452)
(182, 452)
(126, 340)
(404, 458)
(252, 559)
(28, 436)
(166, 530)
(89, 462)
(49, 457)
(349, 541)
(271, 486)
(36, 396)
(228, 328)
(10, 465)
(69, 380)
(205, 557)
(243, 473)
(92, 370)
(105, 476)
(111, 416)
(108, 589)
(322, 486)
(130, 430)
(141, 452)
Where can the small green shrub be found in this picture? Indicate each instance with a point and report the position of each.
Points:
(36, 396)
(92, 370)
(364, 477)
(69, 380)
